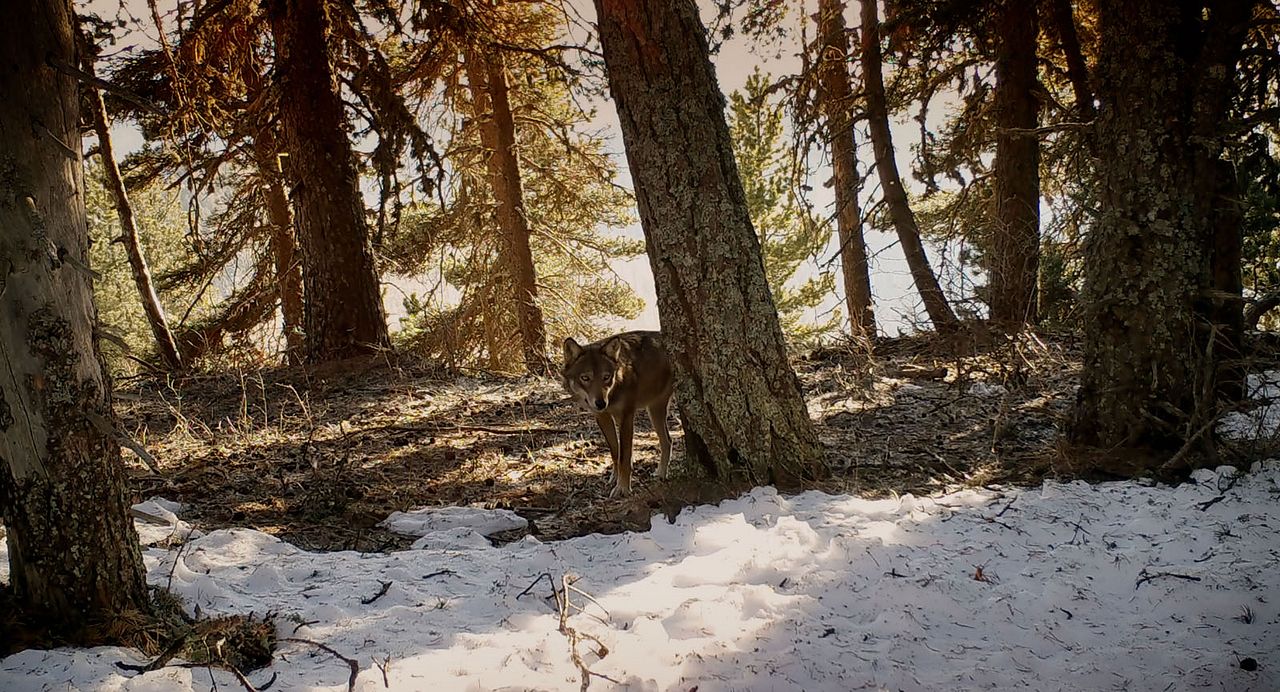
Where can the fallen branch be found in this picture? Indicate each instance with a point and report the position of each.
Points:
(351, 663)
(442, 429)
(1144, 576)
(165, 656)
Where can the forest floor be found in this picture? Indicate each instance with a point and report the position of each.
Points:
(321, 457)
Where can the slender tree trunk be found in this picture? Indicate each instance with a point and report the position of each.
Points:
(1064, 23)
(166, 346)
(836, 99)
(73, 552)
(740, 401)
(284, 247)
(492, 104)
(1223, 305)
(895, 195)
(1015, 251)
(343, 314)
(1164, 80)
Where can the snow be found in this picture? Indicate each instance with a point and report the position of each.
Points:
(1066, 586)
(453, 527)
(986, 389)
(1261, 423)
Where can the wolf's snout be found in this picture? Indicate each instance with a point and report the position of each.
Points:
(599, 404)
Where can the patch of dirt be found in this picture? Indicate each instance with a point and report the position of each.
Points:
(320, 457)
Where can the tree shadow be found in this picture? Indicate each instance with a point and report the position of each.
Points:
(973, 590)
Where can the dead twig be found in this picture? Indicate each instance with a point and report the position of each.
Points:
(382, 666)
(351, 663)
(444, 429)
(386, 585)
(574, 635)
(1144, 576)
(106, 428)
(540, 577)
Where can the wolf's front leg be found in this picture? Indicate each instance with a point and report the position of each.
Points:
(626, 430)
(605, 421)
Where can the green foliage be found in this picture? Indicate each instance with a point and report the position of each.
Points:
(790, 233)
(162, 227)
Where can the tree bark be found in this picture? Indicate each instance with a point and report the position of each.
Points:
(343, 314)
(740, 401)
(836, 98)
(1015, 248)
(166, 346)
(284, 247)
(895, 195)
(1164, 81)
(73, 552)
(492, 105)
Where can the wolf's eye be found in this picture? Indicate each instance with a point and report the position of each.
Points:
(608, 377)
(585, 377)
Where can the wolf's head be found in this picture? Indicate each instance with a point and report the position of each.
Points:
(590, 372)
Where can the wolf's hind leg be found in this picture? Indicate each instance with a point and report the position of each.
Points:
(658, 416)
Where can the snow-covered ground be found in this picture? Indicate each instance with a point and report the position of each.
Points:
(1069, 586)
(1262, 422)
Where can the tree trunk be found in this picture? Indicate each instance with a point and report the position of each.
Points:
(1164, 81)
(1223, 305)
(836, 99)
(740, 401)
(1015, 248)
(284, 247)
(492, 106)
(895, 195)
(165, 344)
(1060, 13)
(73, 552)
(343, 314)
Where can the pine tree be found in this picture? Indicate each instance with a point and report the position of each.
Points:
(740, 400)
(73, 551)
(790, 234)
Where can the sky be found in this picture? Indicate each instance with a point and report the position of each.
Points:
(895, 298)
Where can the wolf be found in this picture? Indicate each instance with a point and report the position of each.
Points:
(614, 377)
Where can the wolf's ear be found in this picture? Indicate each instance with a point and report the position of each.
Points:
(612, 348)
(571, 349)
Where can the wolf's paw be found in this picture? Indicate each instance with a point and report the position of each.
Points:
(619, 491)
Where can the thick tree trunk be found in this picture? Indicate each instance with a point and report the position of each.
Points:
(343, 314)
(165, 344)
(895, 195)
(284, 247)
(492, 104)
(1164, 81)
(73, 552)
(740, 401)
(836, 100)
(1015, 247)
